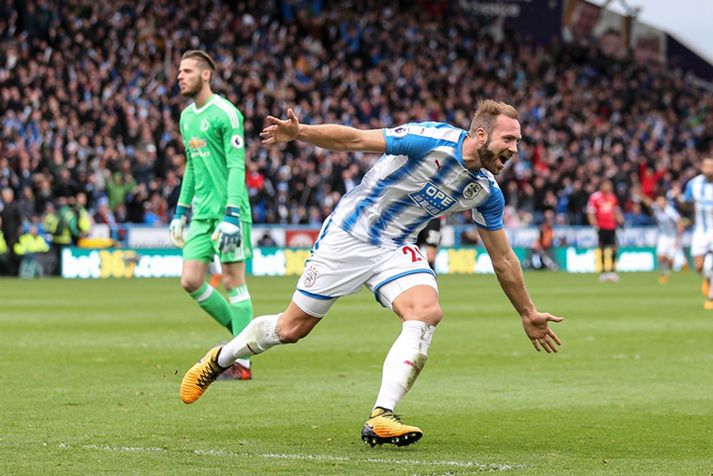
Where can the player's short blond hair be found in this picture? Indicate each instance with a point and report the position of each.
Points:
(204, 60)
(487, 111)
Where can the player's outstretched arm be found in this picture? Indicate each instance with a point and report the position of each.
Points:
(327, 136)
(507, 268)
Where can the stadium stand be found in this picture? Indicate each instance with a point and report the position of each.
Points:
(89, 103)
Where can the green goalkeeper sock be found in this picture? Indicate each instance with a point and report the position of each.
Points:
(214, 304)
(241, 308)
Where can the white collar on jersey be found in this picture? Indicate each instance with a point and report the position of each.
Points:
(210, 101)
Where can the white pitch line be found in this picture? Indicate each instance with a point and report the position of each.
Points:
(305, 457)
(125, 449)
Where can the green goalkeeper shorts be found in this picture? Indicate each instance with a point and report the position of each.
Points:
(199, 245)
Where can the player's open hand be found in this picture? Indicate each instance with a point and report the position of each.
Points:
(537, 329)
(279, 130)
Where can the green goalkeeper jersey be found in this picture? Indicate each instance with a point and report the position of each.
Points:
(215, 160)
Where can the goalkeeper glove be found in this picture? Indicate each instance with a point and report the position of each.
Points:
(228, 233)
(175, 229)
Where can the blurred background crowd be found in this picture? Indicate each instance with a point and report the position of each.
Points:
(89, 105)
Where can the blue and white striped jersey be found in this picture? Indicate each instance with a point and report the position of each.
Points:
(667, 219)
(420, 176)
(700, 192)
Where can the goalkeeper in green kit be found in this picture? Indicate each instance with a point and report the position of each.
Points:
(214, 187)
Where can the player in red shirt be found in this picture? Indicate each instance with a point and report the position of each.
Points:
(605, 214)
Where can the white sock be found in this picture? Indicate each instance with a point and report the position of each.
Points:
(256, 338)
(404, 362)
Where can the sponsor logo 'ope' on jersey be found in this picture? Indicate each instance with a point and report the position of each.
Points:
(432, 199)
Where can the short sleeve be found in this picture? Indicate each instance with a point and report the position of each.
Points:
(489, 214)
(410, 140)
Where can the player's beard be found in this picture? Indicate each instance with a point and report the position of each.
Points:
(489, 158)
(193, 89)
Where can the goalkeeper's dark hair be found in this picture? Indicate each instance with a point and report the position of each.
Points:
(203, 59)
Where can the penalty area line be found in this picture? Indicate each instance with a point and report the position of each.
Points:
(304, 457)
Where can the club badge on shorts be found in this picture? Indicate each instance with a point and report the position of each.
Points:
(310, 275)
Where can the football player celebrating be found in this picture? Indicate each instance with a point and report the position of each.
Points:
(426, 170)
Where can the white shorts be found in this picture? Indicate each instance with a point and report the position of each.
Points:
(666, 246)
(340, 264)
(701, 243)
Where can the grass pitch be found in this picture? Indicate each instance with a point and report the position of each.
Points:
(90, 373)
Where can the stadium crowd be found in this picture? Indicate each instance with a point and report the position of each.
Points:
(89, 104)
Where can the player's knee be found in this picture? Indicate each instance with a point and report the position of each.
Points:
(233, 275)
(229, 282)
(431, 314)
(191, 283)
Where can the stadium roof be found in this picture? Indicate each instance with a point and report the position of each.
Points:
(689, 21)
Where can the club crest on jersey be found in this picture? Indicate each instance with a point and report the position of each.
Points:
(432, 199)
(205, 125)
(236, 141)
(472, 190)
(196, 144)
(310, 275)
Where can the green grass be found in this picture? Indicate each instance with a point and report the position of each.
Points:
(90, 373)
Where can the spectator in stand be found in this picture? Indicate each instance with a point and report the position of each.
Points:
(118, 187)
(266, 240)
(80, 221)
(635, 216)
(11, 226)
(26, 204)
(254, 179)
(104, 215)
(55, 226)
(135, 203)
(29, 249)
(4, 254)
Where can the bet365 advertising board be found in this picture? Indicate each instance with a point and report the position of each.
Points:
(162, 262)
